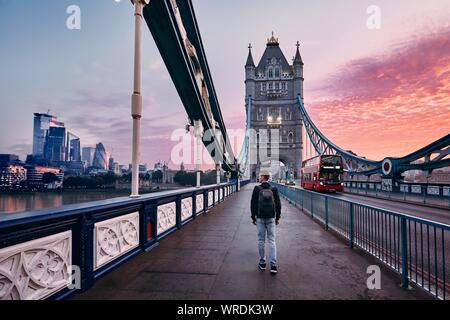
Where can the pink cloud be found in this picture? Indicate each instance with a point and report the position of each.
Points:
(391, 104)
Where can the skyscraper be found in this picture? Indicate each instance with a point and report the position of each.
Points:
(100, 158)
(55, 146)
(73, 148)
(88, 156)
(42, 122)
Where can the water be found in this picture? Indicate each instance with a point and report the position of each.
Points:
(20, 202)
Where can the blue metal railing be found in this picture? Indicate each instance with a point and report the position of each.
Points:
(95, 237)
(416, 248)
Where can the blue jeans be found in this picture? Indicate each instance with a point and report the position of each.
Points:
(267, 226)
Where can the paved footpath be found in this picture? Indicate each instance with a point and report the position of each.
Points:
(216, 256)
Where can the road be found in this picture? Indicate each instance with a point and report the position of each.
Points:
(430, 213)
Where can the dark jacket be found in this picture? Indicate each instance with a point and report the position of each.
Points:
(255, 199)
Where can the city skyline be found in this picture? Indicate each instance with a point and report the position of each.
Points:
(382, 72)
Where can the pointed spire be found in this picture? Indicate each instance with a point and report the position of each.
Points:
(298, 57)
(272, 41)
(250, 62)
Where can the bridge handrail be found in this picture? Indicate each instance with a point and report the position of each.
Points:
(94, 237)
(413, 247)
(364, 205)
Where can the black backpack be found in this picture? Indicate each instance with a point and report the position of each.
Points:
(266, 203)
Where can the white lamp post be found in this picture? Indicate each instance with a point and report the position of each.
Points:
(136, 98)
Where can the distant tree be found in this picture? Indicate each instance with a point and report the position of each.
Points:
(49, 177)
(185, 178)
(157, 176)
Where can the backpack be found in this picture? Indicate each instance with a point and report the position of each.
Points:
(266, 203)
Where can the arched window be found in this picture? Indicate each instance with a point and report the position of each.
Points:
(291, 137)
(277, 73)
(270, 73)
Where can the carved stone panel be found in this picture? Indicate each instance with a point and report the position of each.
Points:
(36, 269)
(186, 208)
(167, 217)
(114, 237)
(210, 198)
(200, 204)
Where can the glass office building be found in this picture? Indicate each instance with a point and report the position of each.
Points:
(42, 122)
(55, 144)
(100, 158)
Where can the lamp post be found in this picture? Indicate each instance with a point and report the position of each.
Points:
(136, 98)
(198, 131)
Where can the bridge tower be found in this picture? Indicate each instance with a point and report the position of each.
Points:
(276, 124)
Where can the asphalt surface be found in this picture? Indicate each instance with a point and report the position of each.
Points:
(215, 257)
(430, 213)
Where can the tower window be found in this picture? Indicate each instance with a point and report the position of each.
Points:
(277, 86)
(277, 73)
(270, 86)
(264, 87)
(284, 86)
(291, 137)
(288, 115)
(260, 116)
(270, 73)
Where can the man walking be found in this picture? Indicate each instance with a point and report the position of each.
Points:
(266, 212)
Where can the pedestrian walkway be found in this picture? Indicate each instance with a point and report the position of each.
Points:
(216, 257)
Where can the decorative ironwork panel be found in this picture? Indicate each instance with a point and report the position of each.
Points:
(221, 193)
(210, 198)
(416, 189)
(36, 269)
(446, 192)
(186, 208)
(199, 203)
(216, 196)
(433, 190)
(167, 217)
(115, 237)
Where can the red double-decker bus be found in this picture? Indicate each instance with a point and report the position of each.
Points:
(323, 173)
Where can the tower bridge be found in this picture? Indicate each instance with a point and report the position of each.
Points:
(199, 242)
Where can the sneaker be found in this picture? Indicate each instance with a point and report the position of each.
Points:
(273, 269)
(262, 266)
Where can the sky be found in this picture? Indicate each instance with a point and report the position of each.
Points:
(379, 93)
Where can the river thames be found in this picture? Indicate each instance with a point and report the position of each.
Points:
(26, 201)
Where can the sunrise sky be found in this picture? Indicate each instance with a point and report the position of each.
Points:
(376, 92)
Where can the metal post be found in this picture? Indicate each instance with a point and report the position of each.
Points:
(351, 226)
(136, 99)
(326, 213)
(198, 131)
(424, 190)
(404, 245)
